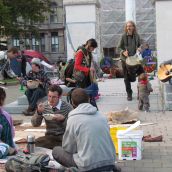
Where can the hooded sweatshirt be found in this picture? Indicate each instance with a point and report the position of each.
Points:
(144, 88)
(87, 137)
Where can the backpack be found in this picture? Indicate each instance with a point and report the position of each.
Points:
(69, 68)
(28, 163)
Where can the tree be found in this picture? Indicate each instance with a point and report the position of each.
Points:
(19, 16)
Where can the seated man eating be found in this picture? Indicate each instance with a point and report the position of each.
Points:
(55, 113)
(37, 83)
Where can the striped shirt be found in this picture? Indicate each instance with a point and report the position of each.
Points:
(41, 76)
(53, 127)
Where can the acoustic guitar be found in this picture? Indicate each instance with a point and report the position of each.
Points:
(165, 73)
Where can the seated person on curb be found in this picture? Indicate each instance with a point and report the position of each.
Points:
(56, 123)
(35, 94)
(109, 67)
(106, 65)
(87, 145)
(6, 127)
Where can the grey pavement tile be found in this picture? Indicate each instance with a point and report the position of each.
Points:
(129, 164)
(152, 164)
(157, 161)
(168, 157)
(167, 164)
(146, 153)
(152, 150)
(143, 169)
(160, 153)
(127, 169)
(162, 170)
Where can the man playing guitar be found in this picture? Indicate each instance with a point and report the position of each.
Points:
(165, 71)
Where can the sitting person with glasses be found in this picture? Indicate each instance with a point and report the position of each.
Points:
(55, 113)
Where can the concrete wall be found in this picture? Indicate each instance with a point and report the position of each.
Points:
(80, 26)
(164, 30)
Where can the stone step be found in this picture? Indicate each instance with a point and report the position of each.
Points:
(22, 100)
(14, 108)
(21, 104)
(168, 96)
(168, 105)
(167, 88)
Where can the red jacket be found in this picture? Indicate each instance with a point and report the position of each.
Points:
(78, 63)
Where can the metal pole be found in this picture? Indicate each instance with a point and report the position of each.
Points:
(130, 10)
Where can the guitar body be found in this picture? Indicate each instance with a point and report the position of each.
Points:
(165, 73)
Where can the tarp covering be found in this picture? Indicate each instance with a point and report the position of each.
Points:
(112, 20)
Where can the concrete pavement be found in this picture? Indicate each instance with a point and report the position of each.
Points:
(157, 157)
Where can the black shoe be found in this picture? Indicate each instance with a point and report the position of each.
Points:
(117, 169)
(129, 97)
(28, 112)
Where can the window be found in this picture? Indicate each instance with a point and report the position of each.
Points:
(56, 15)
(27, 43)
(54, 42)
(53, 15)
(110, 52)
(16, 43)
(35, 44)
(42, 42)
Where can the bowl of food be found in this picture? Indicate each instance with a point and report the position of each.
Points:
(32, 84)
(48, 116)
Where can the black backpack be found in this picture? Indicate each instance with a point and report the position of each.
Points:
(69, 68)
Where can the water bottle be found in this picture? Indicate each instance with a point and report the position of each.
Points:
(31, 144)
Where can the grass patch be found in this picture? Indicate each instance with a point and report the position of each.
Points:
(14, 80)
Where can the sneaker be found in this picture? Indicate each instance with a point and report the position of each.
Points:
(117, 169)
(147, 111)
(110, 77)
(97, 97)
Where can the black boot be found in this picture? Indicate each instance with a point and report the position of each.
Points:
(129, 96)
(29, 112)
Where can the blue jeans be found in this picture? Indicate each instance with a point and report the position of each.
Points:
(92, 90)
(33, 95)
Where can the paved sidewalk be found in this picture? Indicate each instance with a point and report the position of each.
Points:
(157, 157)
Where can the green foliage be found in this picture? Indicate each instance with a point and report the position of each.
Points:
(19, 16)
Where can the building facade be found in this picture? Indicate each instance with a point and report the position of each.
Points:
(50, 41)
(113, 15)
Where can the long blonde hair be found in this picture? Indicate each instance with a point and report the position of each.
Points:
(134, 25)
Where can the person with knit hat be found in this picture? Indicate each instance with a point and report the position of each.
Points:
(36, 82)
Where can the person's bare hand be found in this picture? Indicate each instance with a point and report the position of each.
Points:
(92, 70)
(125, 53)
(19, 78)
(40, 108)
(58, 117)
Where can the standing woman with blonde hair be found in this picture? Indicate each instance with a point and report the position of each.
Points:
(128, 45)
